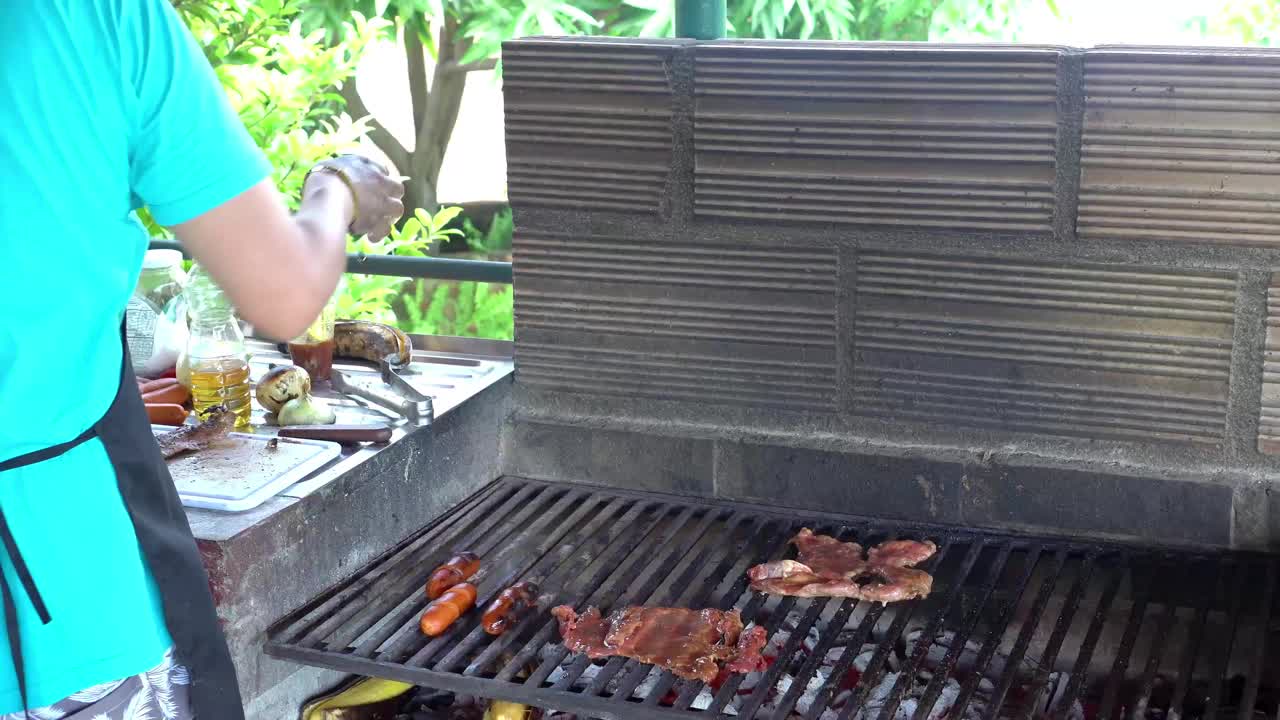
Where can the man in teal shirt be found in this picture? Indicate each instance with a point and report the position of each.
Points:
(107, 106)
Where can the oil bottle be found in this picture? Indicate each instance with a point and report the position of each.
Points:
(215, 359)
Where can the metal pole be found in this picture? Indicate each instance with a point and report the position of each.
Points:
(404, 266)
(700, 19)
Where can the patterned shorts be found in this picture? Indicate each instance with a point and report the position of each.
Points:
(161, 693)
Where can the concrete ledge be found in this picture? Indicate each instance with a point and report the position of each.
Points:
(291, 555)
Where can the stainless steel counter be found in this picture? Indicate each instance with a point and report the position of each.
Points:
(450, 370)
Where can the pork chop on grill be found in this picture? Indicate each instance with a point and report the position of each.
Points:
(827, 567)
(690, 643)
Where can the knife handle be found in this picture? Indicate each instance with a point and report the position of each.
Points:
(346, 434)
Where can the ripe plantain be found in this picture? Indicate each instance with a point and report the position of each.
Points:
(375, 342)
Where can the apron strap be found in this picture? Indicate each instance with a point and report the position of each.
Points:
(20, 566)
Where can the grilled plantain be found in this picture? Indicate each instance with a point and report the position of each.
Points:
(375, 342)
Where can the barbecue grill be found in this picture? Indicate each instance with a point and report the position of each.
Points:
(1016, 301)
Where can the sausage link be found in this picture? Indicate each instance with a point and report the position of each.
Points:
(153, 385)
(450, 606)
(459, 569)
(174, 394)
(166, 414)
(508, 607)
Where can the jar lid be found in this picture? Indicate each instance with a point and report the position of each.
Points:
(158, 259)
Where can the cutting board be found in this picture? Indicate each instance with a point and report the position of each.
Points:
(241, 471)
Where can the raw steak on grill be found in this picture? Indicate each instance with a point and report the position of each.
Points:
(689, 643)
(827, 567)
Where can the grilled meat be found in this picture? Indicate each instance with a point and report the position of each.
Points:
(216, 424)
(690, 643)
(827, 567)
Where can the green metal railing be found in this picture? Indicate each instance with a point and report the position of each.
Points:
(412, 267)
(700, 19)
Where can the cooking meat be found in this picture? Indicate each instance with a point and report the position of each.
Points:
(827, 567)
(689, 643)
(217, 422)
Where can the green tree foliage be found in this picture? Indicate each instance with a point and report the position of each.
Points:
(463, 36)
(1241, 22)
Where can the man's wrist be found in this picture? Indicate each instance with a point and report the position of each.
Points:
(330, 185)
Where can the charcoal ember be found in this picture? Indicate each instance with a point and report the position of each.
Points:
(583, 680)
(1053, 700)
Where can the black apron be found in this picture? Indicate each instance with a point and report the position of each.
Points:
(166, 542)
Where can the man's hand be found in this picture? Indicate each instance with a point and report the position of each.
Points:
(377, 195)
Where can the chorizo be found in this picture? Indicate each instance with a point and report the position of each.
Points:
(508, 607)
(442, 611)
(459, 569)
(166, 414)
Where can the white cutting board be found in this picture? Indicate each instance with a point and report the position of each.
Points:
(241, 472)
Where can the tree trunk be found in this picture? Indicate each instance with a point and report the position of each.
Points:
(436, 102)
(420, 192)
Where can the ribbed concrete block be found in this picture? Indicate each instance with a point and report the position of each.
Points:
(1269, 420)
(712, 323)
(1096, 351)
(588, 125)
(1181, 144)
(914, 137)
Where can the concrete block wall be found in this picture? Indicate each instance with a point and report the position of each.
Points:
(1011, 286)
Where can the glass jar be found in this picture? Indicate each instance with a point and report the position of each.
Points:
(216, 361)
(313, 349)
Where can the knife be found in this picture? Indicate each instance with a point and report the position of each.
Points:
(345, 434)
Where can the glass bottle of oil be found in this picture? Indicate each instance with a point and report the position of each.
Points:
(215, 359)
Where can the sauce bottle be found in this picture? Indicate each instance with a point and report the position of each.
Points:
(313, 349)
(216, 361)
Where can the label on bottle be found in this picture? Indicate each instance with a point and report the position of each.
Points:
(141, 317)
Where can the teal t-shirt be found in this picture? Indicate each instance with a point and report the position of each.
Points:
(105, 106)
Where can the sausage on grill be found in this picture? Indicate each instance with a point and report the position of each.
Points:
(442, 611)
(459, 569)
(508, 607)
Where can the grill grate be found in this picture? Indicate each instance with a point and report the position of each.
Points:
(1016, 627)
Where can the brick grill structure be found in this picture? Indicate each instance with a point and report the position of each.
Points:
(1009, 287)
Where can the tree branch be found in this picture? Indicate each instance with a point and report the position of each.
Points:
(488, 64)
(418, 91)
(385, 141)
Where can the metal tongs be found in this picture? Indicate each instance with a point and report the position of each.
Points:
(403, 398)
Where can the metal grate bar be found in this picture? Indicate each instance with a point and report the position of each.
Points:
(690, 690)
(1050, 654)
(961, 638)
(1163, 627)
(612, 570)
(1142, 586)
(659, 570)
(615, 550)
(788, 651)
(779, 615)
(698, 572)
(1224, 655)
(607, 548)
(1250, 697)
(846, 659)
(330, 614)
(1195, 637)
(876, 668)
(566, 558)
(996, 636)
(1085, 654)
(825, 642)
(907, 676)
(406, 585)
(393, 638)
(546, 564)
